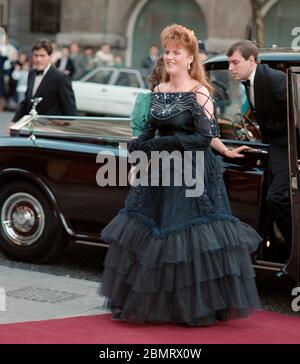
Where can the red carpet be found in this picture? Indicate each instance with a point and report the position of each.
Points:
(261, 328)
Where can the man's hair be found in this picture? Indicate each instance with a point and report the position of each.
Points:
(43, 43)
(246, 48)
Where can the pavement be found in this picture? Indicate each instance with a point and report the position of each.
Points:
(5, 118)
(33, 296)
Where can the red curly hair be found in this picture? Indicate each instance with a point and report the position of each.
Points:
(181, 36)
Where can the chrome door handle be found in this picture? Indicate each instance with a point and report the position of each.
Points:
(256, 151)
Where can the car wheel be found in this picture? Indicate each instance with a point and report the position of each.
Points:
(29, 228)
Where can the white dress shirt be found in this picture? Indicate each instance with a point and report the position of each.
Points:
(251, 88)
(38, 79)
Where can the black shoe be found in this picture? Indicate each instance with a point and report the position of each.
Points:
(116, 314)
(221, 316)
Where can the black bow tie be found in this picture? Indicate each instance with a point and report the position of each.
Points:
(246, 83)
(39, 73)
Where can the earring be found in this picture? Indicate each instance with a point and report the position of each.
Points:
(189, 66)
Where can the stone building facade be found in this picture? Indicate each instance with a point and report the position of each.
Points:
(131, 26)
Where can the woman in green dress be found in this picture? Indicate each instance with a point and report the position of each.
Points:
(141, 108)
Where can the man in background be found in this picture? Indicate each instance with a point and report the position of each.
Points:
(149, 62)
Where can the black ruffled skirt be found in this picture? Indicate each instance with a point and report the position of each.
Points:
(180, 260)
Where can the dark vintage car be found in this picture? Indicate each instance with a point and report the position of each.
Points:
(48, 169)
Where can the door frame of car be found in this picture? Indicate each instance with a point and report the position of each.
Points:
(128, 70)
(96, 70)
(293, 265)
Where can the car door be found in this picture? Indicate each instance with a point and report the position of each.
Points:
(87, 207)
(71, 168)
(293, 266)
(91, 92)
(121, 96)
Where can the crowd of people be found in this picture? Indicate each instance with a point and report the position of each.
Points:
(75, 62)
(70, 59)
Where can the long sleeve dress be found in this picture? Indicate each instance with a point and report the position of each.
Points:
(140, 113)
(174, 258)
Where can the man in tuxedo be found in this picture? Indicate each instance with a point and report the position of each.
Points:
(44, 81)
(267, 96)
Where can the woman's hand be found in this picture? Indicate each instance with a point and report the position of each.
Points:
(236, 152)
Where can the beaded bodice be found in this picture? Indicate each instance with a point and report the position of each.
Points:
(180, 113)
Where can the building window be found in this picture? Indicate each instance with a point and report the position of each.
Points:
(45, 16)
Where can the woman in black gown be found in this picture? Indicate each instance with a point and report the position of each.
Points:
(174, 258)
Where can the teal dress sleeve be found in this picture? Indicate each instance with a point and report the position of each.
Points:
(140, 113)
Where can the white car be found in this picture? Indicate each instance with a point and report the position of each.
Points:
(108, 91)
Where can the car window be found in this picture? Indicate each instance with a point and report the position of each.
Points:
(232, 107)
(298, 117)
(128, 79)
(102, 76)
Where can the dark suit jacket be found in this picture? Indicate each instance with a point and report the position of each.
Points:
(3, 59)
(69, 66)
(270, 96)
(148, 63)
(56, 91)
